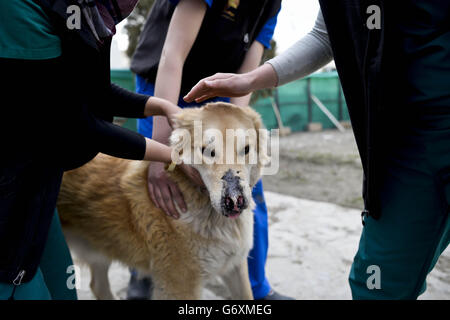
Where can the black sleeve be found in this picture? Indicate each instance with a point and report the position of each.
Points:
(119, 142)
(127, 104)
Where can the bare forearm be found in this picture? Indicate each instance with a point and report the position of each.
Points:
(156, 107)
(168, 83)
(167, 86)
(156, 151)
(183, 29)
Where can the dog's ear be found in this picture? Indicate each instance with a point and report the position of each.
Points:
(182, 135)
(261, 133)
(262, 139)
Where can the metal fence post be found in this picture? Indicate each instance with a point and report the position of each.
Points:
(340, 112)
(308, 94)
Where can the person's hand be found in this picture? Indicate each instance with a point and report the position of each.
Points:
(220, 85)
(192, 174)
(170, 110)
(163, 191)
(161, 107)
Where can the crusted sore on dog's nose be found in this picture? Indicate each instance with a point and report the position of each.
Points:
(234, 206)
(233, 199)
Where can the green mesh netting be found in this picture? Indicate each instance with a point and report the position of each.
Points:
(296, 109)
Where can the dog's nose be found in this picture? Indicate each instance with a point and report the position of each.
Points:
(233, 201)
(234, 206)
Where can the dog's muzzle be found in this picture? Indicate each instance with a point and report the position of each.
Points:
(233, 200)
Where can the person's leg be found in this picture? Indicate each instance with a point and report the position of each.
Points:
(55, 262)
(139, 288)
(36, 289)
(398, 251)
(258, 254)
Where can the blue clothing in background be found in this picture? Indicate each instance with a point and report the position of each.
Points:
(258, 254)
(266, 33)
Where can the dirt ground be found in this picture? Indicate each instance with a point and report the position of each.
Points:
(323, 166)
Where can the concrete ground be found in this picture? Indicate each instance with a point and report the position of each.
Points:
(312, 245)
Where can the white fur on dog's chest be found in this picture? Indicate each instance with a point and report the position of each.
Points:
(220, 257)
(228, 241)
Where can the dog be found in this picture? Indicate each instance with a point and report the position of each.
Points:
(107, 215)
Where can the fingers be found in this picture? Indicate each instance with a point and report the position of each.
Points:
(164, 193)
(164, 201)
(165, 196)
(197, 178)
(160, 202)
(177, 197)
(171, 120)
(169, 203)
(199, 89)
(151, 193)
(193, 174)
(204, 98)
(206, 87)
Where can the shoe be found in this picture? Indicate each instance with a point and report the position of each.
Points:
(139, 288)
(273, 295)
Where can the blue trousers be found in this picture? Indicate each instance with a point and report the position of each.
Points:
(258, 255)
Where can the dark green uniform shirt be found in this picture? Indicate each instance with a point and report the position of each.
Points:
(425, 52)
(25, 32)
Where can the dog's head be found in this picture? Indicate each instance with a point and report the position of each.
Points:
(226, 144)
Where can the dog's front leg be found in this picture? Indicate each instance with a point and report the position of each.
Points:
(99, 280)
(171, 286)
(238, 282)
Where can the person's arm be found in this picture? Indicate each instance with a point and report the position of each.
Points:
(183, 30)
(309, 54)
(123, 143)
(120, 142)
(251, 61)
(127, 104)
(306, 56)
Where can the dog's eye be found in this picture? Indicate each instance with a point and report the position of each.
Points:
(247, 149)
(212, 153)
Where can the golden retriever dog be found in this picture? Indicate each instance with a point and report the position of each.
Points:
(107, 215)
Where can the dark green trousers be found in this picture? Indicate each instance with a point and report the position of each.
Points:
(397, 252)
(52, 277)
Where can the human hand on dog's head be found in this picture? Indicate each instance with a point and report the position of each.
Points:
(219, 85)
